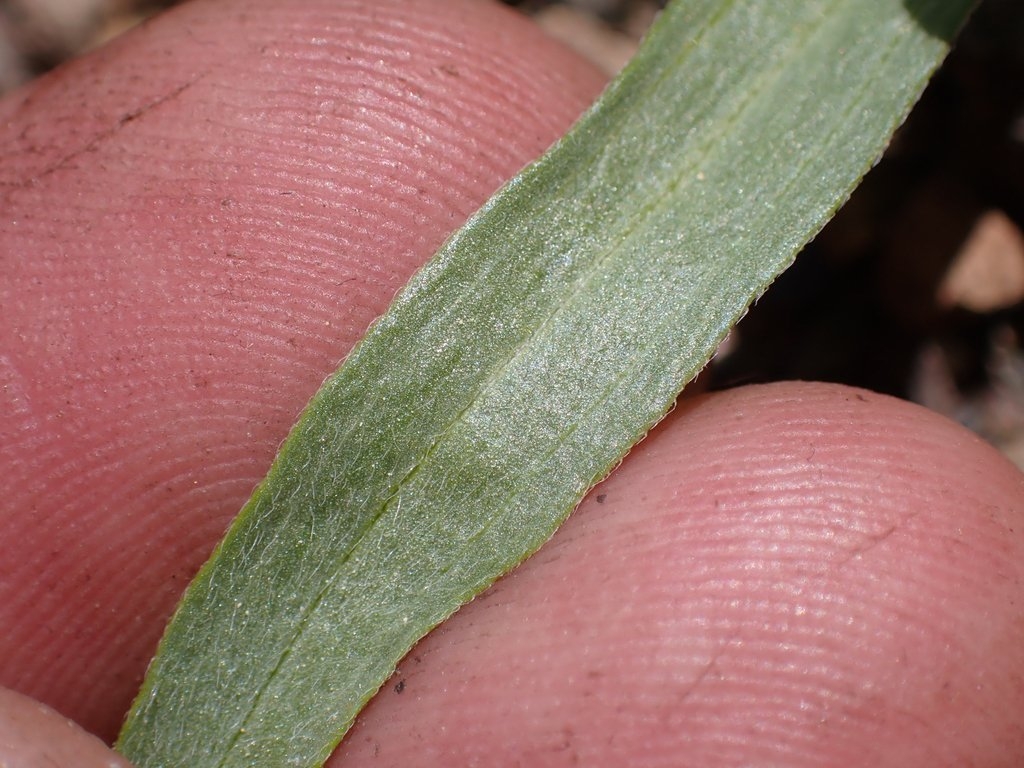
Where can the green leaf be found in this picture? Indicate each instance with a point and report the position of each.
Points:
(518, 367)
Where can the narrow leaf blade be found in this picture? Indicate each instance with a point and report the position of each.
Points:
(519, 366)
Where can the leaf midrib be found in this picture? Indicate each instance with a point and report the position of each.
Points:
(651, 207)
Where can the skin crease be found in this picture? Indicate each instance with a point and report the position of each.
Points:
(794, 575)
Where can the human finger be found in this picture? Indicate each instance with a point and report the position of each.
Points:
(795, 574)
(33, 735)
(199, 222)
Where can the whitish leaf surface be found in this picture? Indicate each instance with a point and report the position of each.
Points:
(519, 366)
